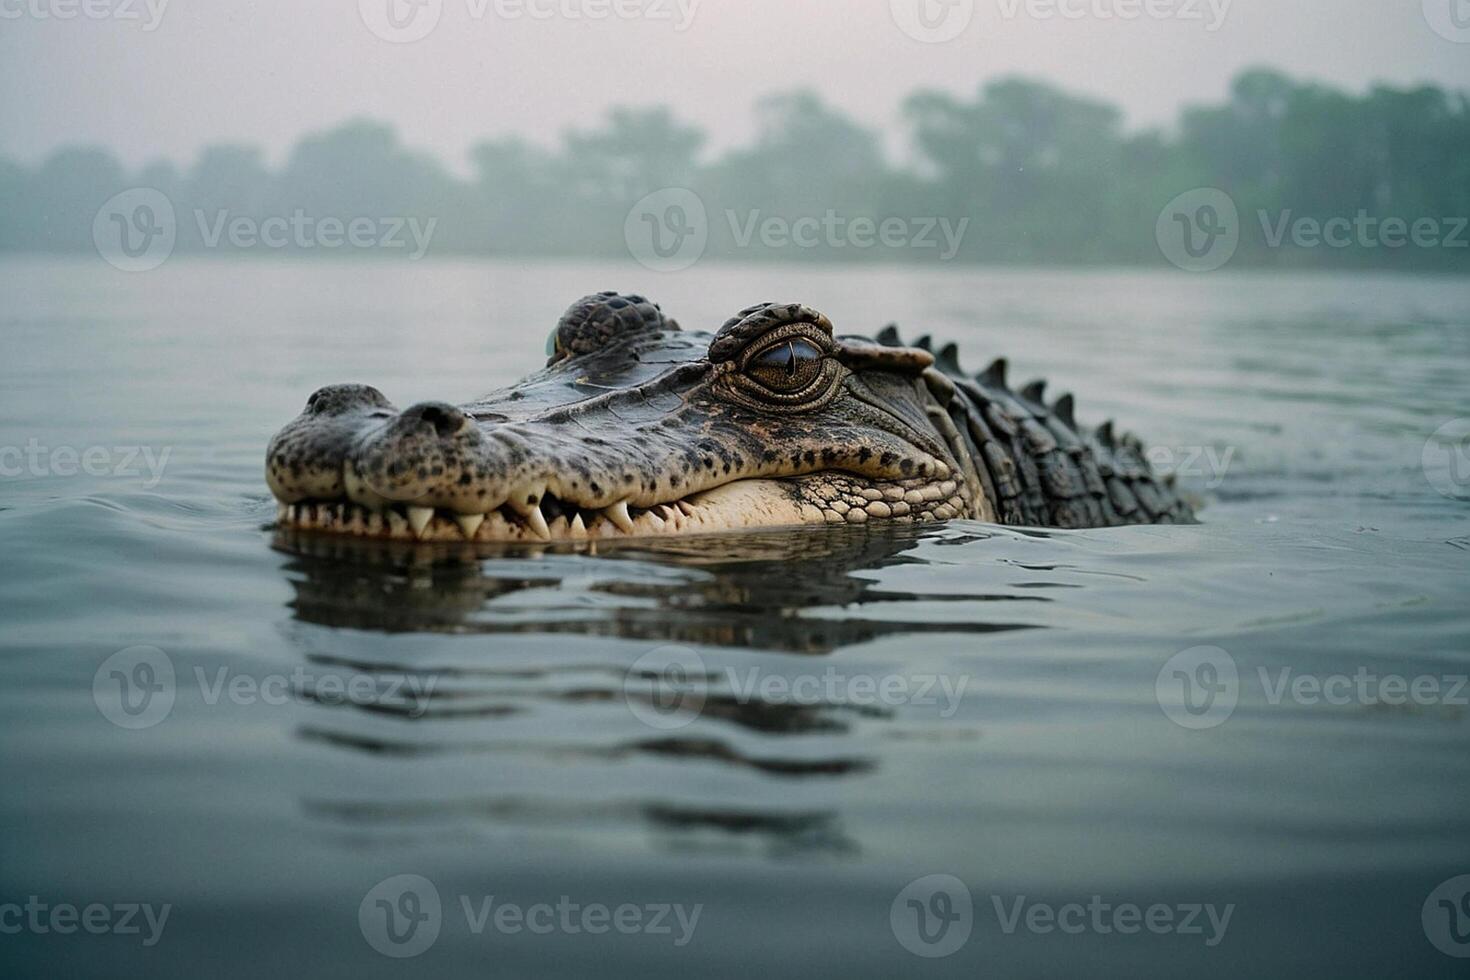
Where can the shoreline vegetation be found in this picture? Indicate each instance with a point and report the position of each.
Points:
(1019, 174)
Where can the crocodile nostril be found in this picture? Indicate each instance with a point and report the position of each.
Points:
(446, 419)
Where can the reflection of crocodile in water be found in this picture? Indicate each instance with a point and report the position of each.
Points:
(751, 592)
(636, 427)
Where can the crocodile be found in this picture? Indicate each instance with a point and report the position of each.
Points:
(637, 427)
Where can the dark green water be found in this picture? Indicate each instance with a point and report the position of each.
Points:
(856, 712)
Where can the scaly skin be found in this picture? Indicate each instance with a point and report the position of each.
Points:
(637, 427)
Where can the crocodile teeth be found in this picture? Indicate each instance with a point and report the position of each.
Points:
(618, 514)
(578, 529)
(419, 518)
(291, 513)
(531, 514)
(469, 524)
(686, 507)
(281, 513)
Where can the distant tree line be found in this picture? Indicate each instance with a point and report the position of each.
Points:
(1020, 173)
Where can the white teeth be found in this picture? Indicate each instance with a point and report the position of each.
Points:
(281, 513)
(532, 515)
(579, 530)
(530, 512)
(686, 507)
(469, 524)
(618, 514)
(419, 518)
(291, 513)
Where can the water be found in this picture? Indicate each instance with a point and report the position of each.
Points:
(1020, 748)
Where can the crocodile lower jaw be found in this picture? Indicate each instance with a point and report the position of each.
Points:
(753, 503)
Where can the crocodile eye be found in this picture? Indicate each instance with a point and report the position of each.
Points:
(789, 365)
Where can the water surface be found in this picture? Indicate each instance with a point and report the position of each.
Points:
(1021, 749)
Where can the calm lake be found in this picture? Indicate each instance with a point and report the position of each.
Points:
(1234, 749)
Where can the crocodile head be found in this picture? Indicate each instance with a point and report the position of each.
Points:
(636, 427)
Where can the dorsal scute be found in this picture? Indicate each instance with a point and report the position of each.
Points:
(994, 376)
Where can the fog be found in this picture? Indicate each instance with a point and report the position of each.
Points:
(163, 78)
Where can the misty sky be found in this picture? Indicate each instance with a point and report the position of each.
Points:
(267, 71)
